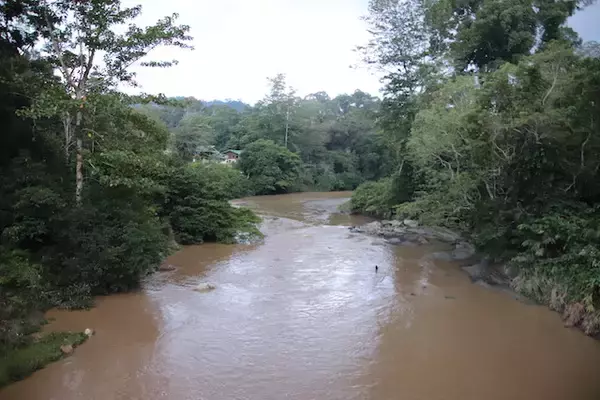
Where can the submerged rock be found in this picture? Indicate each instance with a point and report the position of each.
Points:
(440, 255)
(205, 287)
(422, 240)
(395, 241)
(475, 272)
(463, 251)
(167, 268)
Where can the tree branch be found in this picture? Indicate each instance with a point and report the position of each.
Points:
(551, 87)
(88, 69)
(56, 46)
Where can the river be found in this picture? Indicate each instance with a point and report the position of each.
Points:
(305, 316)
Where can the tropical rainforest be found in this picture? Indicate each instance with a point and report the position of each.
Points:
(488, 124)
(492, 110)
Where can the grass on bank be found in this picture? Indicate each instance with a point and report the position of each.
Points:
(20, 362)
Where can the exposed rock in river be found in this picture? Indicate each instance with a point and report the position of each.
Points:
(66, 349)
(167, 268)
(411, 223)
(407, 231)
(493, 275)
(205, 287)
(463, 251)
(395, 241)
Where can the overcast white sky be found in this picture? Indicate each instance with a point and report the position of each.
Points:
(239, 43)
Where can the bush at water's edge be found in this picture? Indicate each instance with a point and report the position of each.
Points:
(20, 362)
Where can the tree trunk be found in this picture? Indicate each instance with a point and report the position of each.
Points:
(287, 124)
(79, 172)
(79, 161)
(67, 127)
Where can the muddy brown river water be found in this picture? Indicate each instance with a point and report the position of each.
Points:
(304, 316)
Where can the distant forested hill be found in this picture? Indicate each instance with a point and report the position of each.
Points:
(235, 104)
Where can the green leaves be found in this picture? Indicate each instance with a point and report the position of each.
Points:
(77, 32)
(373, 198)
(197, 203)
(320, 130)
(21, 291)
(561, 246)
(501, 31)
(124, 50)
(271, 168)
(193, 136)
(505, 146)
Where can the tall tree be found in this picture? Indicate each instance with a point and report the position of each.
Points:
(75, 35)
(484, 33)
(278, 107)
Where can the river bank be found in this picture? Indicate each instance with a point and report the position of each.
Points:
(483, 272)
(21, 362)
(305, 314)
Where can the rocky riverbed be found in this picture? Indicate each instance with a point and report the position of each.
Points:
(478, 267)
(410, 233)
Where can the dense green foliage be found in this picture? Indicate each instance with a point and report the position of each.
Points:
(20, 285)
(373, 198)
(90, 195)
(196, 208)
(270, 168)
(489, 124)
(315, 143)
(504, 146)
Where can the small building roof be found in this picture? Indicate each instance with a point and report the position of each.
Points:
(238, 152)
